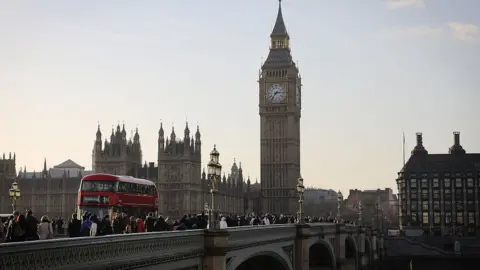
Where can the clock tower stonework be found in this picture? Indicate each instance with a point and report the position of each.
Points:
(280, 112)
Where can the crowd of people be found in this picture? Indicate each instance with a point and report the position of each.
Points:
(26, 227)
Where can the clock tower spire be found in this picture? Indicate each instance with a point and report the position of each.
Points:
(280, 111)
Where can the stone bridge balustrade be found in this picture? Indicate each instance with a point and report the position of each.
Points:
(277, 247)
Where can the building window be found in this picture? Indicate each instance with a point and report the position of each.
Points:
(435, 183)
(469, 182)
(436, 194)
(471, 218)
(436, 218)
(448, 194)
(424, 183)
(458, 194)
(446, 182)
(413, 183)
(413, 194)
(448, 218)
(425, 205)
(436, 205)
(459, 218)
(459, 206)
(470, 194)
(413, 207)
(425, 217)
(448, 205)
(470, 206)
(458, 182)
(424, 194)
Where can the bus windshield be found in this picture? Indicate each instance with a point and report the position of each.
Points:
(107, 186)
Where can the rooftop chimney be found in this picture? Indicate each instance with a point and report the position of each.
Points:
(419, 138)
(419, 149)
(456, 148)
(456, 138)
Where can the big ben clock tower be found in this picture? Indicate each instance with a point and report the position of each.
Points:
(280, 111)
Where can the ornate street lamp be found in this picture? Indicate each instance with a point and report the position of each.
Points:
(300, 191)
(14, 193)
(339, 202)
(214, 172)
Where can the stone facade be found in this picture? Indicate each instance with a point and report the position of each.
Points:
(118, 156)
(50, 191)
(280, 110)
(8, 174)
(182, 186)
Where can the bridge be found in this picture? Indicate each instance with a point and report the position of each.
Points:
(277, 247)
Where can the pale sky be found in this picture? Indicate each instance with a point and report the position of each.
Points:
(370, 69)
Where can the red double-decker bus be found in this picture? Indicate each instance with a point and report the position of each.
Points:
(103, 194)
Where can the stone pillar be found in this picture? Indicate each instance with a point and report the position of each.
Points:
(340, 237)
(302, 250)
(362, 260)
(216, 243)
(380, 246)
(374, 246)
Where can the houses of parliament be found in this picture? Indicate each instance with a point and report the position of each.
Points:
(182, 186)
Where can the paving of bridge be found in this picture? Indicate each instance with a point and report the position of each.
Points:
(276, 247)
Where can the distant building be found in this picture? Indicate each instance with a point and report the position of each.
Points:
(320, 202)
(318, 195)
(440, 192)
(50, 191)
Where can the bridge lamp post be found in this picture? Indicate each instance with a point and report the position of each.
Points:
(300, 191)
(14, 193)
(339, 202)
(214, 172)
(360, 213)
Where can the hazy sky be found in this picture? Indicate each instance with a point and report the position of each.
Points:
(370, 69)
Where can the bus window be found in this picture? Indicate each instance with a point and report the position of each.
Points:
(97, 186)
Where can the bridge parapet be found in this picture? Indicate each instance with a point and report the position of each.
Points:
(125, 251)
(241, 237)
(291, 244)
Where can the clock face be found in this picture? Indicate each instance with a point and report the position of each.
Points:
(298, 99)
(276, 93)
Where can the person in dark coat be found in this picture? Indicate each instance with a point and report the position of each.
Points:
(74, 227)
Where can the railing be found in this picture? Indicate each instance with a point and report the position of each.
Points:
(106, 252)
(258, 235)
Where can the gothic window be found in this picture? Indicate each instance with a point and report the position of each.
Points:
(436, 194)
(459, 206)
(435, 183)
